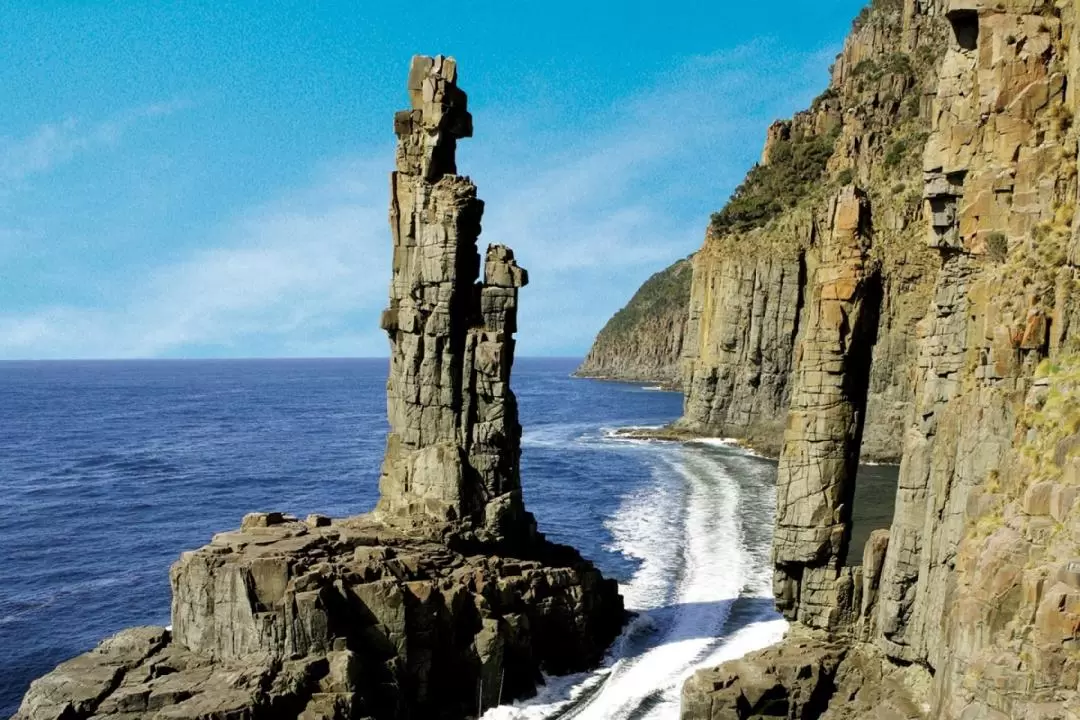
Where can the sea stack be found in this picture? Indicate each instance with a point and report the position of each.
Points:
(454, 446)
(445, 600)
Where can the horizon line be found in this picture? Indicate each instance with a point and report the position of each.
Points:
(250, 359)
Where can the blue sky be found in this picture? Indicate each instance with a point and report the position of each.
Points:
(209, 179)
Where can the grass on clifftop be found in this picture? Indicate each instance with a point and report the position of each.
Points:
(794, 167)
(665, 293)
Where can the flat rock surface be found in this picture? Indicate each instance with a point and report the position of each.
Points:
(348, 619)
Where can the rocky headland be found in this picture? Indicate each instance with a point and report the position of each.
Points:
(899, 278)
(643, 342)
(443, 602)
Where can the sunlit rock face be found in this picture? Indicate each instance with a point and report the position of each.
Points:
(820, 457)
(969, 606)
(453, 452)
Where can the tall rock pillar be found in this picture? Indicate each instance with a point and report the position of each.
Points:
(453, 451)
(820, 457)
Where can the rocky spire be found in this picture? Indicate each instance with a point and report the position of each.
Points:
(816, 477)
(453, 450)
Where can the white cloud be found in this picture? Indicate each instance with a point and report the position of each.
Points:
(54, 143)
(307, 274)
(282, 274)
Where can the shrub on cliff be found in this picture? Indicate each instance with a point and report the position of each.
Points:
(665, 293)
(794, 167)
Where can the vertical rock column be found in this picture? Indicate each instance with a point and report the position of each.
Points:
(816, 479)
(454, 444)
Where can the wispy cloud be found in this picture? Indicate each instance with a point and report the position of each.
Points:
(288, 275)
(54, 143)
(591, 211)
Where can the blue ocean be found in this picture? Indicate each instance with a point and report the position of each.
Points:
(108, 470)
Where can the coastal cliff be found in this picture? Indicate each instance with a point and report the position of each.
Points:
(745, 307)
(748, 304)
(443, 602)
(643, 341)
(968, 607)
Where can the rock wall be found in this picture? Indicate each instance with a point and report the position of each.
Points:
(970, 604)
(1001, 181)
(643, 342)
(445, 601)
(747, 306)
(739, 344)
(734, 336)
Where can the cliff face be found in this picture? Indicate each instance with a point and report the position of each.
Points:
(444, 601)
(752, 276)
(643, 342)
(969, 606)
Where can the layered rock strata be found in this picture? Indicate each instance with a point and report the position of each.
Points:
(968, 605)
(443, 602)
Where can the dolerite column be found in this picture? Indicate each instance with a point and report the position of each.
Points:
(452, 453)
(816, 477)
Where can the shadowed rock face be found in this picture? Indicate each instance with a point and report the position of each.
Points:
(444, 600)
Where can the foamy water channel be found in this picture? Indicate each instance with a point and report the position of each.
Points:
(701, 531)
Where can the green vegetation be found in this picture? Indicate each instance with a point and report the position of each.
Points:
(1032, 262)
(902, 146)
(845, 176)
(875, 6)
(997, 246)
(1055, 420)
(794, 167)
(896, 152)
(665, 293)
(899, 63)
(867, 68)
(824, 97)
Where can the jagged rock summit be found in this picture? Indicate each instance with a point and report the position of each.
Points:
(445, 600)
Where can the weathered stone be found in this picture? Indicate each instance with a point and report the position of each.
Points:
(453, 452)
(315, 520)
(974, 610)
(261, 520)
(1037, 498)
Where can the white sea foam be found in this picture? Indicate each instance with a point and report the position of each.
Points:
(616, 434)
(728, 443)
(554, 435)
(685, 529)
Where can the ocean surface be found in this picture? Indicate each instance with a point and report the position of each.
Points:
(108, 470)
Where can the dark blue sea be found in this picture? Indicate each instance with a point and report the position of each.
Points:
(108, 470)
